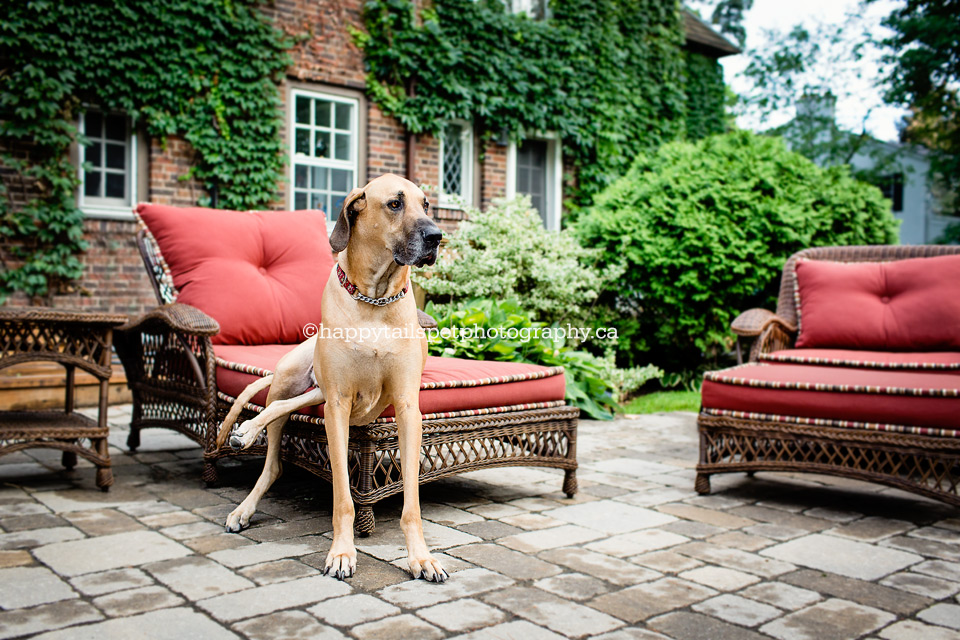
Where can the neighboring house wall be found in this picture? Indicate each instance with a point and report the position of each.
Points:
(906, 184)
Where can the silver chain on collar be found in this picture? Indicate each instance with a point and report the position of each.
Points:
(355, 292)
(379, 302)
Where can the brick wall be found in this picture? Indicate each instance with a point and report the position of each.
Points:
(493, 174)
(114, 278)
(328, 55)
(386, 144)
(170, 162)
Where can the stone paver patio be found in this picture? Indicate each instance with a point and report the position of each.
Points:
(636, 555)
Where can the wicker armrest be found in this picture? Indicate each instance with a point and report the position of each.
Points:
(752, 323)
(179, 317)
(426, 320)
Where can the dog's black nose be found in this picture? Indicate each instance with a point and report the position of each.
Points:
(432, 236)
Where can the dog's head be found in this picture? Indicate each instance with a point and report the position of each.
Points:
(390, 212)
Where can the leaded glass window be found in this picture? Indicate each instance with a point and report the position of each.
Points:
(456, 165)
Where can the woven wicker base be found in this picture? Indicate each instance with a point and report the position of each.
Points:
(538, 437)
(925, 465)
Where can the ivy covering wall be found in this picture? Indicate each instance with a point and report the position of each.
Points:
(705, 96)
(205, 70)
(607, 75)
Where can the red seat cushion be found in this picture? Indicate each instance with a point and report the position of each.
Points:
(448, 384)
(837, 394)
(904, 305)
(866, 359)
(260, 274)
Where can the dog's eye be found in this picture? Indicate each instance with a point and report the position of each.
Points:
(394, 204)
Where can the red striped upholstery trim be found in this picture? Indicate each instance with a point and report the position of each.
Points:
(861, 364)
(715, 376)
(843, 424)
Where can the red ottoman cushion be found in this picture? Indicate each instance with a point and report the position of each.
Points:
(890, 397)
(904, 305)
(448, 384)
(260, 274)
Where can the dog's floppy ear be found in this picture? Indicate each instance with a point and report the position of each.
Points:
(353, 203)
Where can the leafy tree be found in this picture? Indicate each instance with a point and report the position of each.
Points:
(925, 76)
(702, 232)
(807, 70)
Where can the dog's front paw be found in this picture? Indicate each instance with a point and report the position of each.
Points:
(341, 565)
(238, 519)
(427, 568)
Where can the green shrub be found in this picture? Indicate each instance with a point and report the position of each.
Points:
(595, 385)
(505, 252)
(702, 231)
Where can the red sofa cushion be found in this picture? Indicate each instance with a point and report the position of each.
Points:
(928, 399)
(904, 305)
(448, 384)
(260, 274)
(866, 359)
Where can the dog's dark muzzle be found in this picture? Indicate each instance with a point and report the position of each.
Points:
(422, 245)
(431, 244)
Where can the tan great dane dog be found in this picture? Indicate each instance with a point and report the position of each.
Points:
(382, 230)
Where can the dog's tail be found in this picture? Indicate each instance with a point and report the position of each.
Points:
(252, 389)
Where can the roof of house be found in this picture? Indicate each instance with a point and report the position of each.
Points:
(701, 37)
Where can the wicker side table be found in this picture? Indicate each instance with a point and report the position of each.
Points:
(74, 339)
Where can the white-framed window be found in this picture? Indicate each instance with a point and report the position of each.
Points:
(324, 150)
(108, 165)
(535, 168)
(456, 165)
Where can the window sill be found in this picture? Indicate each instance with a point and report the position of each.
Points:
(108, 213)
(453, 205)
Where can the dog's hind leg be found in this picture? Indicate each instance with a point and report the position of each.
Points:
(240, 517)
(252, 389)
(294, 375)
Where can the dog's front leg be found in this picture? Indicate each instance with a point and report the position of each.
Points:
(410, 432)
(342, 558)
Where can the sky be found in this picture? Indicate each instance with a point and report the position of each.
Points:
(782, 15)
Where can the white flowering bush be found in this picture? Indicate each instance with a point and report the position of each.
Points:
(505, 252)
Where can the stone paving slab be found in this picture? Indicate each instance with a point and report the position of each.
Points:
(636, 555)
(22, 587)
(109, 552)
(829, 620)
(168, 624)
(261, 600)
(843, 557)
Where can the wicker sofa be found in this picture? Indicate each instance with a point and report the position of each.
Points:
(857, 374)
(237, 290)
